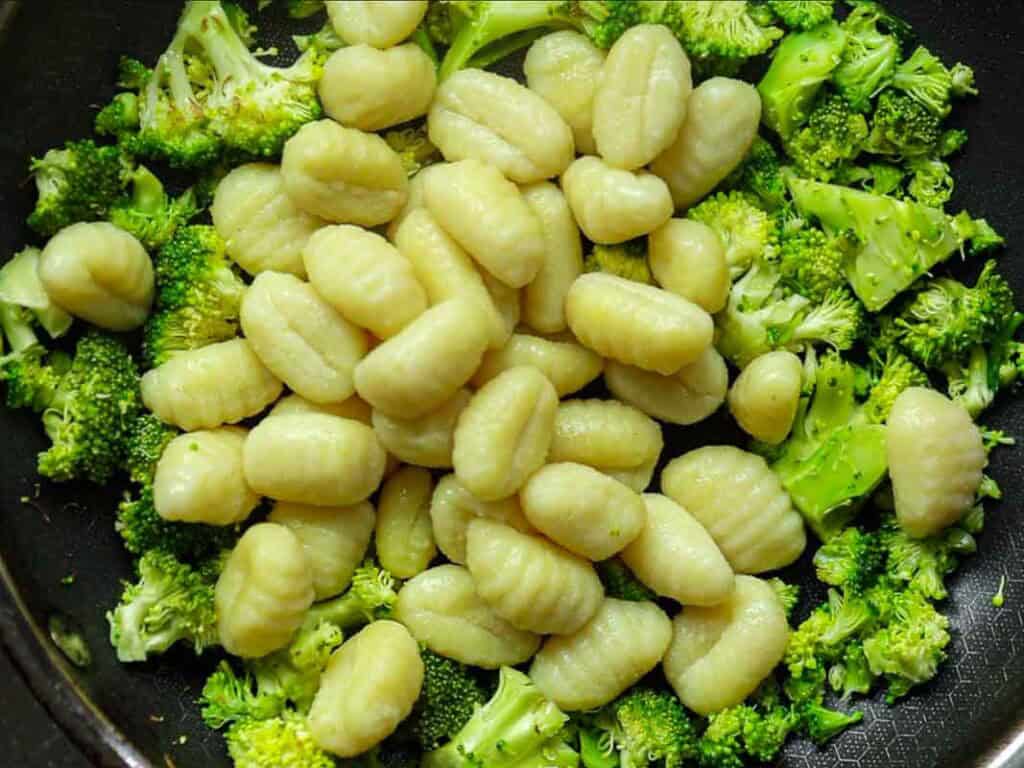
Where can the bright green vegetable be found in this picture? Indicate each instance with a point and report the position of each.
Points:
(450, 696)
(745, 230)
(927, 80)
(24, 304)
(149, 212)
(832, 137)
(870, 56)
(281, 741)
(619, 582)
(802, 14)
(628, 260)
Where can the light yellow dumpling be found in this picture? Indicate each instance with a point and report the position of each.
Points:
(376, 23)
(687, 258)
(453, 508)
(427, 441)
(765, 396)
(568, 365)
(404, 536)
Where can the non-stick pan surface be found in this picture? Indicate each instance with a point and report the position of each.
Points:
(57, 64)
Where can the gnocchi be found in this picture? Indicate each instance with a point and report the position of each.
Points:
(583, 510)
(343, 175)
(376, 23)
(506, 301)
(352, 408)
(199, 479)
(765, 396)
(721, 123)
(262, 228)
(427, 441)
(368, 688)
(637, 324)
(453, 508)
(441, 609)
(936, 456)
(404, 538)
(567, 365)
(365, 278)
(263, 592)
(676, 557)
(533, 584)
(210, 386)
(335, 540)
(687, 258)
(313, 459)
(494, 119)
(740, 501)
(99, 273)
(503, 434)
(618, 646)
(720, 654)
(487, 215)
(416, 199)
(641, 99)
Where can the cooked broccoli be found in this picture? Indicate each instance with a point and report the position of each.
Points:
(746, 231)
(198, 297)
(450, 696)
(811, 261)
(141, 529)
(876, 177)
(927, 80)
(149, 212)
(802, 14)
(303, 9)
(414, 148)
(761, 175)
(620, 583)
(628, 260)
(831, 138)
(788, 594)
(976, 234)
(754, 731)
(902, 127)
(852, 560)
(280, 741)
(870, 56)
(931, 183)
(923, 564)
(643, 727)
(147, 439)
(24, 304)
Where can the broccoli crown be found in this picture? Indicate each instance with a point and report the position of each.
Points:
(371, 597)
(893, 373)
(280, 741)
(120, 116)
(802, 14)
(142, 529)
(171, 602)
(927, 80)
(149, 213)
(79, 182)
(870, 56)
(903, 127)
(620, 583)
(744, 228)
(413, 147)
(760, 175)
(229, 697)
(788, 594)
(931, 183)
(812, 262)
(449, 697)
(832, 137)
(852, 559)
(628, 260)
(32, 377)
(923, 564)
(754, 731)
(649, 727)
(977, 234)
(147, 438)
(719, 37)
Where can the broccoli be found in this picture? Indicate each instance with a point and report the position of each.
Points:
(413, 147)
(448, 700)
(753, 731)
(147, 439)
(324, 41)
(303, 9)
(171, 602)
(198, 298)
(24, 303)
(812, 262)
(876, 177)
(33, 376)
(643, 727)
(149, 212)
(788, 594)
(620, 583)
(802, 14)
(760, 175)
(280, 741)
(1000, 596)
(516, 727)
(976, 234)
(931, 183)
(870, 56)
(927, 80)
(831, 138)
(628, 260)
(851, 559)
(746, 231)
(902, 127)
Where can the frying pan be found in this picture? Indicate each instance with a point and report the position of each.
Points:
(57, 64)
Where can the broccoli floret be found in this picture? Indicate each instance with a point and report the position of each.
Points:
(788, 594)
(620, 583)
(761, 175)
(171, 602)
(870, 56)
(892, 373)
(628, 260)
(141, 529)
(821, 723)
(280, 741)
(147, 439)
(198, 297)
(324, 41)
(876, 177)
(923, 564)
(120, 116)
(903, 127)
(813, 263)
(931, 183)
(414, 148)
(831, 138)
(150, 213)
(449, 697)
(976, 234)
(644, 727)
(927, 80)
(79, 182)
(802, 14)
(24, 303)
(754, 731)
(230, 697)
(851, 560)
(33, 376)
(746, 231)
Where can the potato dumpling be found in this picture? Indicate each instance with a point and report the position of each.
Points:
(568, 365)
(641, 98)
(427, 441)
(370, 89)
(936, 456)
(404, 538)
(720, 654)
(199, 479)
(504, 433)
(637, 324)
(343, 175)
(494, 119)
(369, 686)
(765, 396)
(376, 23)
(261, 226)
(453, 508)
(100, 273)
(335, 540)
(352, 408)
(506, 301)
(687, 258)
(263, 592)
(441, 609)
(416, 199)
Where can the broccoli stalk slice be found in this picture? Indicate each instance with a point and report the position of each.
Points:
(24, 301)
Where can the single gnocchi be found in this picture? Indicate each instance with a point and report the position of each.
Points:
(686, 397)
(765, 396)
(204, 388)
(301, 338)
(720, 654)
(335, 540)
(262, 228)
(343, 175)
(506, 301)
(199, 479)
(494, 119)
(352, 408)
(369, 686)
(453, 508)
(613, 205)
(380, 24)
(99, 273)
(587, 512)
(637, 324)
(641, 99)
(416, 199)
(530, 582)
(313, 459)
(936, 456)
(427, 441)
(622, 642)
(263, 592)
(568, 365)
(441, 609)
(504, 433)
(486, 214)
(740, 501)
(721, 123)
(365, 278)
(676, 557)
(405, 538)
(687, 258)
(424, 365)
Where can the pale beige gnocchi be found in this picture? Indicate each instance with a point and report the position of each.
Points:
(687, 258)
(766, 394)
(453, 508)
(376, 23)
(568, 365)
(404, 537)
(427, 441)
(352, 408)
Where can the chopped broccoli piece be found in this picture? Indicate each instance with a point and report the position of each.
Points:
(150, 213)
(977, 234)
(303, 9)
(620, 583)
(931, 183)
(147, 439)
(831, 138)
(876, 177)
(746, 231)
(628, 260)
(24, 303)
(643, 727)
(33, 376)
(280, 741)
(923, 564)
(450, 696)
(414, 148)
(761, 175)
(324, 41)
(788, 594)
(754, 731)
(142, 529)
(802, 14)
(927, 80)
(852, 560)
(812, 263)
(229, 697)
(903, 127)
(870, 56)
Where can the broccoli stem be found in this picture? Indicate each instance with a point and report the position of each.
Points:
(148, 194)
(16, 324)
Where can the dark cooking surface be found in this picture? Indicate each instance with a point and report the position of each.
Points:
(57, 64)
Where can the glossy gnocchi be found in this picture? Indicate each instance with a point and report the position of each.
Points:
(741, 503)
(568, 365)
(352, 408)
(765, 395)
(637, 324)
(687, 258)
(404, 536)
(530, 582)
(210, 386)
(99, 273)
(441, 609)
(380, 24)
(427, 441)
(453, 508)
(622, 642)
(720, 654)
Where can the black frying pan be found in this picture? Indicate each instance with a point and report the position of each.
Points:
(57, 63)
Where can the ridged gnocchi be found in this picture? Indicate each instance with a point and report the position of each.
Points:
(210, 386)
(441, 609)
(530, 582)
(622, 642)
(506, 301)
(765, 395)
(568, 365)
(352, 408)
(416, 199)
(453, 508)
(380, 24)
(687, 258)
(404, 537)
(427, 441)
(637, 324)
(741, 503)
(720, 654)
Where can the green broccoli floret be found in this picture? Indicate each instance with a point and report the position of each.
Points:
(171, 602)
(870, 56)
(976, 234)
(761, 175)
(851, 560)
(517, 727)
(802, 14)
(79, 182)
(141, 528)
(821, 723)
(628, 260)
(450, 696)
(902, 127)
(120, 116)
(974, 381)
(620, 583)
(923, 564)
(931, 183)
(876, 177)
(414, 148)
(24, 304)
(746, 231)
(324, 41)
(33, 376)
(229, 697)
(149, 212)
(831, 138)
(754, 731)
(788, 594)
(147, 439)
(927, 80)
(643, 727)
(812, 262)
(280, 741)
(198, 298)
